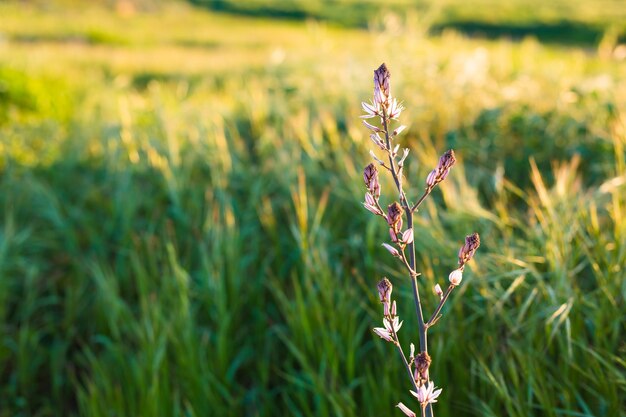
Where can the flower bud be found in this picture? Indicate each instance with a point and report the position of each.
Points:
(370, 177)
(472, 243)
(422, 363)
(381, 85)
(406, 410)
(394, 309)
(392, 250)
(384, 290)
(440, 173)
(378, 141)
(371, 127)
(394, 216)
(407, 236)
(456, 277)
(438, 291)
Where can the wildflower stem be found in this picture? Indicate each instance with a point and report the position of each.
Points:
(416, 293)
(411, 247)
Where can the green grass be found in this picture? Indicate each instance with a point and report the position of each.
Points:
(181, 232)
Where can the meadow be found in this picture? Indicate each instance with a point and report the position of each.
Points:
(181, 232)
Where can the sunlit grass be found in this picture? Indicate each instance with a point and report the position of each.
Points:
(181, 232)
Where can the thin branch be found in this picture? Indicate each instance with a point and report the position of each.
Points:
(421, 200)
(433, 319)
(406, 363)
(406, 263)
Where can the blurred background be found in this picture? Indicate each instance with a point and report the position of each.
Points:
(181, 231)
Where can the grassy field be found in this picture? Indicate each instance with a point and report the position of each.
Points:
(181, 231)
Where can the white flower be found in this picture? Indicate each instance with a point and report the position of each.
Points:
(399, 130)
(391, 249)
(405, 154)
(383, 334)
(456, 277)
(394, 109)
(371, 110)
(391, 326)
(427, 394)
(406, 410)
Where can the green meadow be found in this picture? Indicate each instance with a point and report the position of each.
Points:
(181, 228)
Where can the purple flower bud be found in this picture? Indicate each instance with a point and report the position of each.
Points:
(381, 84)
(394, 216)
(370, 176)
(393, 235)
(385, 288)
(472, 243)
(431, 179)
(422, 363)
(394, 309)
(440, 173)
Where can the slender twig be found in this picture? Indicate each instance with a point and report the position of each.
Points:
(433, 319)
(406, 263)
(422, 198)
(406, 362)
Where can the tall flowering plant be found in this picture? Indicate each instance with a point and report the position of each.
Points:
(385, 110)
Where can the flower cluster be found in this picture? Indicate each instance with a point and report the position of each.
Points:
(391, 321)
(383, 105)
(426, 394)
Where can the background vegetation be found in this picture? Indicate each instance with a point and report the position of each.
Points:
(181, 232)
